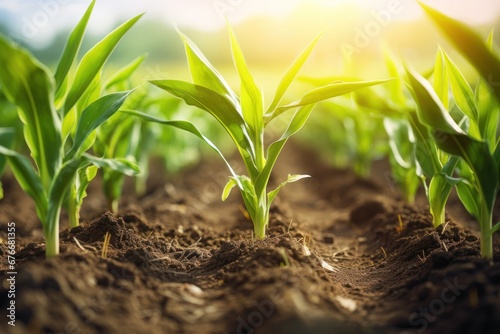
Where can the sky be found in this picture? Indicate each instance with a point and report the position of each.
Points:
(36, 21)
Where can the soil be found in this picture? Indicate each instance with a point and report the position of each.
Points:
(343, 255)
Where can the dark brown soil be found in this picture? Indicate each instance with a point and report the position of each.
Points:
(344, 255)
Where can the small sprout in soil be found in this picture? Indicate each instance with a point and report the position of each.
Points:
(286, 263)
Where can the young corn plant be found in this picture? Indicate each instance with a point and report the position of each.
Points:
(474, 139)
(59, 117)
(120, 136)
(415, 155)
(245, 119)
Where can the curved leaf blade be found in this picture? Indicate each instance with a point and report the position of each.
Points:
(323, 93)
(470, 45)
(93, 61)
(290, 74)
(26, 83)
(93, 116)
(125, 73)
(250, 95)
(220, 108)
(71, 48)
(186, 126)
(204, 73)
(298, 120)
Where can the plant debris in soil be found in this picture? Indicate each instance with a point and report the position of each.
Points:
(343, 255)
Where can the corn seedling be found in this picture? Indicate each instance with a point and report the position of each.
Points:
(244, 118)
(120, 136)
(415, 155)
(59, 118)
(473, 139)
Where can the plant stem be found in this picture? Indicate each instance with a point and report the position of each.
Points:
(261, 219)
(438, 216)
(52, 239)
(486, 223)
(73, 208)
(260, 229)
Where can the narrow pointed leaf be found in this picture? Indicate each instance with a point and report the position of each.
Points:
(120, 165)
(462, 91)
(186, 126)
(470, 45)
(451, 139)
(220, 108)
(441, 81)
(93, 61)
(125, 73)
(290, 74)
(395, 86)
(291, 178)
(71, 48)
(324, 93)
(495, 228)
(431, 110)
(228, 187)
(204, 73)
(94, 115)
(250, 95)
(298, 120)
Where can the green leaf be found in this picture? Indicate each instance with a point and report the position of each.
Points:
(250, 95)
(26, 83)
(495, 228)
(125, 73)
(186, 126)
(7, 136)
(27, 178)
(401, 141)
(220, 108)
(431, 111)
(85, 175)
(323, 93)
(291, 178)
(290, 74)
(441, 79)
(120, 165)
(204, 74)
(227, 189)
(93, 116)
(93, 61)
(439, 191)
(451, 139)
(462, 91)
(396, 86)
(468, 196)
(71, 48)
(470, 45)
(426, 153)
(298, 120)
(477, 155)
